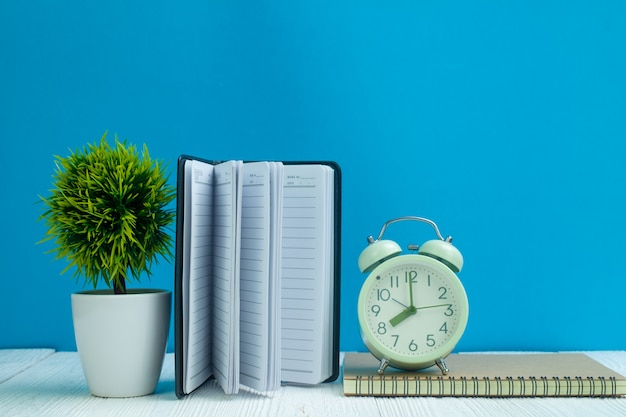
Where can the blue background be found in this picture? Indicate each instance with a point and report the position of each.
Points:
(505, 122)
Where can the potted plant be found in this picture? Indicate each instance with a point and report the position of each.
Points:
(107, 215)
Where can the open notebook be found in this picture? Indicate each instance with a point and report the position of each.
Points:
(257, 273)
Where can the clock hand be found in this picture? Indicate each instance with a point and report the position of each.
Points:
(438, 305)
(411, 305)
(408, 312)
(393, 299)
(403, 315)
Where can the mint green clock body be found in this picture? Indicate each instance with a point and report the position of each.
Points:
(412, 308)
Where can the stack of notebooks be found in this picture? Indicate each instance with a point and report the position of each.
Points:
(487, 375)
(257, 273)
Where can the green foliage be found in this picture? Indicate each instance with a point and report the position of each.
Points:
(107, 212)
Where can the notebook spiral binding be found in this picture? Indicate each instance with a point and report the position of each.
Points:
(440, 386)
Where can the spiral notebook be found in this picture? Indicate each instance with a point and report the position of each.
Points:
(256, 274)
(487, 375)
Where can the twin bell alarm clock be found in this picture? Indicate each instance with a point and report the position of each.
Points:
(412, 307)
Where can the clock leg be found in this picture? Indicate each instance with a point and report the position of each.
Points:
(384, 363)
(441, 364)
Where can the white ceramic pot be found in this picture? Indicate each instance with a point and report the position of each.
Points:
(121, 339)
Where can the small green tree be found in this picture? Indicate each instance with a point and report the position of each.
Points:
(107, 213)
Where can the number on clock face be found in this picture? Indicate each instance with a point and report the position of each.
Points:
(412, 310)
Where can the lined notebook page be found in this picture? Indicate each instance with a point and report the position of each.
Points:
(226, 251)
(305, 273)
(276, 233)
(254, 278)
(197, 274)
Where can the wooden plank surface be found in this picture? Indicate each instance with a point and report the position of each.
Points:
(55, 386)
(14, 361)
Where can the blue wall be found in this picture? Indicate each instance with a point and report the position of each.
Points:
(505, 123)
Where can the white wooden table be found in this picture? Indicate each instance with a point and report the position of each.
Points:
(46, 383)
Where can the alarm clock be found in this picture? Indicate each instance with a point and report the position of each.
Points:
(412, 307)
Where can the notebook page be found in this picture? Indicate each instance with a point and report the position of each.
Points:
(304, 281)
(329, 287)
(276, 233)
(226, 235)
(197, 274)
(254, 275)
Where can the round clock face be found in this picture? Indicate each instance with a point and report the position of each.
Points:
(412, 311)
